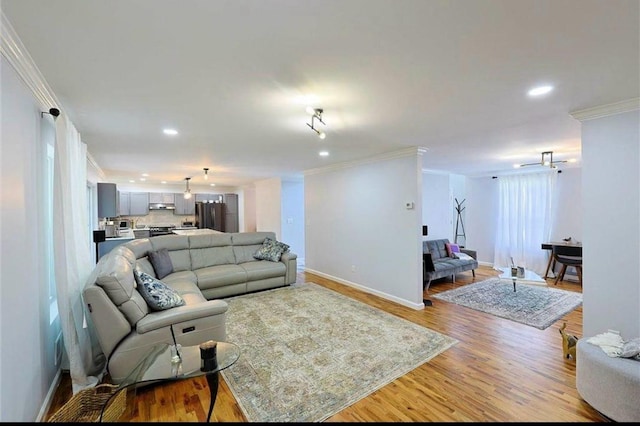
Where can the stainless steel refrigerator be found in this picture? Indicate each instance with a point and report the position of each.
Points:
(210, 215)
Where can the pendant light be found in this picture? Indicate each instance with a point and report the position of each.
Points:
(187, 192)
(206, 173)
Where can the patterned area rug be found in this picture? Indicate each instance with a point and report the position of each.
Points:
(308, 352)
(534, 305)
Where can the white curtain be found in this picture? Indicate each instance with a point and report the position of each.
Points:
(72, 258)
(524, 219)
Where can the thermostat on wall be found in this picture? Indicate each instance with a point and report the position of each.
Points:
(409, 205)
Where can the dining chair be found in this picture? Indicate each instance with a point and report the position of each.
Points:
(568, 256)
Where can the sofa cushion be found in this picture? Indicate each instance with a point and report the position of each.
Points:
(157, 294)
(262, 269)
(220, 275)
(437, 248)
(116, 279)
(178, 247)
(246, 244)
(161, 262)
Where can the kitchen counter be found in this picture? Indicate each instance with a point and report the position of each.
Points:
(196, 231)
(124, 234)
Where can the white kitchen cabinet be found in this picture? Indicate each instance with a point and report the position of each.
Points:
(161, 198)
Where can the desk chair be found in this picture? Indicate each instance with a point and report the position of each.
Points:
(568, 256)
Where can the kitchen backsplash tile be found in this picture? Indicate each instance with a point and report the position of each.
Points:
(161, 218)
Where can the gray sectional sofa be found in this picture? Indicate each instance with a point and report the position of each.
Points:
(438, 264)
(206, 268)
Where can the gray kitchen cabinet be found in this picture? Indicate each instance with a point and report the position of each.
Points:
(139, 203)
(231, 212)
(207, 197)
(133, 203)
(141, 233)
(184, 206)
(161, 198)
(124, 199)
(107, 200)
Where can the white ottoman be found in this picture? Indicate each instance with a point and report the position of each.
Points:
(611, 385)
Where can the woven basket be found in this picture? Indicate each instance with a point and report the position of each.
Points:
(86, 405)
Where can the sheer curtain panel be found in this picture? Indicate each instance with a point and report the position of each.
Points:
(524, 219)
(72, 254)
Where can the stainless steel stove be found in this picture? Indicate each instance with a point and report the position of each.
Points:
(154, 231)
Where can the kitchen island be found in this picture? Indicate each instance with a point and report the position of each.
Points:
(124, 235)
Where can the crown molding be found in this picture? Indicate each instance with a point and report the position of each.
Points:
(405, 152)
(606, 110)
(13, 50)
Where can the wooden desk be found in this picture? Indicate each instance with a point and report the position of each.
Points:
(549, 246)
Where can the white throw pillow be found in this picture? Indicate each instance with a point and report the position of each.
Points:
(464, 256)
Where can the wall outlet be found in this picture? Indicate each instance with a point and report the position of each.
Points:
(409, 205)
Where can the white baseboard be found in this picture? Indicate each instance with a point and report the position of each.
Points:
(403, 302)
(46, 405)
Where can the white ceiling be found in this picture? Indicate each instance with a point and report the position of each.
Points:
(448, 75)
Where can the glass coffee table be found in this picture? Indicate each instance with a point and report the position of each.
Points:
(529, 277)
(164, 364)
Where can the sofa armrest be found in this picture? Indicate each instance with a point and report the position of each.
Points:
(290, 261)
(160, 319)
(471, 253)
(427, 262)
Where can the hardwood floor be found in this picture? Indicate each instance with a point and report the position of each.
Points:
(500, 371)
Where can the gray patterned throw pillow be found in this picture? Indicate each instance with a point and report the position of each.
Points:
(157, 294)
(271, 250)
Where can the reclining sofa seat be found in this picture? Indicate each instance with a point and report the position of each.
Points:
(205, 269)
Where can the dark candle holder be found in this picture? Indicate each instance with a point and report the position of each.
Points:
(208, 355)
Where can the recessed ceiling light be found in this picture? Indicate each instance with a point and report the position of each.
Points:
(145, 174)
(132, 181)
(541, 90)
(323, 153)
(171, 132)
(164, 181)
(212, 184)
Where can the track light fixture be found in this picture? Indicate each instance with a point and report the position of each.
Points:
(206, 173)
(187, 192)
(545, 160)
(55, 112)
(316, 114)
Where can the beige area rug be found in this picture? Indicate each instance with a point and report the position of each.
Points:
(308, 352)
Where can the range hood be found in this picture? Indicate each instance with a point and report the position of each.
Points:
(161, 206)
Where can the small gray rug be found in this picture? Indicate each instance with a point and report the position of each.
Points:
(534, 305)
(308, 352)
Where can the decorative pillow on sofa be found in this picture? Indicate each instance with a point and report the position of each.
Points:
(161, 262)
(452, 248)
(461, 255)
(157, 294)
(271, 250)
(631, 349)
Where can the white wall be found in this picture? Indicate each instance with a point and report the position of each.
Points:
(437, 205)
(611, 224)
(568, 215)
(27, 368)
(358, 230)
(247, 209)
(269, 206)
(481, 217)
(292, 221)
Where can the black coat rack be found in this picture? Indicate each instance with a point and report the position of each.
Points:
(459, 223)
